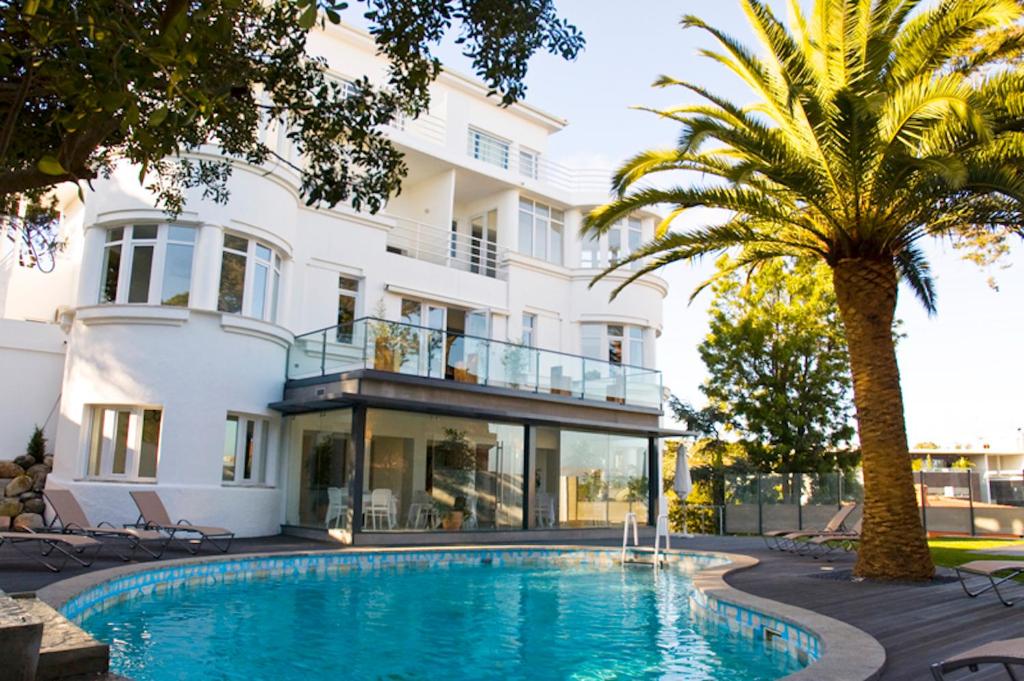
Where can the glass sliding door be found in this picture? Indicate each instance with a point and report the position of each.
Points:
(587, 479)
(322, 469)
(426, 472)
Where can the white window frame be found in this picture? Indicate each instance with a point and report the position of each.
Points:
(529, 337)
(262, 436)
(272, 292)
(128, 243)
(542, 230)
(529, 163)
(133, 440)
(354, 296)
(478, 140)
(604, 339)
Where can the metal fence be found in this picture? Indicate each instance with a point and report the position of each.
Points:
(960, 502)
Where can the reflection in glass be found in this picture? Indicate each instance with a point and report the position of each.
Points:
(322, 470)
(232, 282)
(177, 275)
(588, 479)
(142, 266)
(150, 443)
(427, 472)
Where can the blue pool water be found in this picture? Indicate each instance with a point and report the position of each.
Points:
(452, 622)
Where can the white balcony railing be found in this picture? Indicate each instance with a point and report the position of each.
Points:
(448, 248)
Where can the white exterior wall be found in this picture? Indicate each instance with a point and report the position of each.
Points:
(197, 364)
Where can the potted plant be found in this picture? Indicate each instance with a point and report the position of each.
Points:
(516, 360)
(455, 452)
(393, 342)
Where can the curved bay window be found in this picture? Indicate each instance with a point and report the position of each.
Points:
(148, 264)
(250, 278)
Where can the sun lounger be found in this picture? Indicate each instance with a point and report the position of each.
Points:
(783, 539)
(824, 543)
(1009, 653)
(990, 569)
(153, 516)
(71, 516)
(69, 546)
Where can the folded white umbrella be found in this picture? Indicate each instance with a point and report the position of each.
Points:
(683, 485)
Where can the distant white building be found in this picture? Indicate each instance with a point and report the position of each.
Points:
(1000, 471)
(231, 360)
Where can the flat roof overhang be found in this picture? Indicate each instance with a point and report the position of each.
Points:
(387, 390)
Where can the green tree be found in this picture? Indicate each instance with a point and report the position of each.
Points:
(87, 83)
(869, 132)
(778, 364)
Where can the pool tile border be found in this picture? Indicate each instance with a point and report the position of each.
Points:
(832, 649)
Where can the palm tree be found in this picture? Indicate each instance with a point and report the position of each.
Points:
(876, 124)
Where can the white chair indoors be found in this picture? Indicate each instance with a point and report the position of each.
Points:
(544, 510)
(381, 509)
(336, 503)
(421, 513)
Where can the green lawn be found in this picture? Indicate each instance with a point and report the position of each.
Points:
(953, 551)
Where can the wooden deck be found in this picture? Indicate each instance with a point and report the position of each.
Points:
(917, 625)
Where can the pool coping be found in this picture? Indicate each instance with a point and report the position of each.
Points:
(847, 653)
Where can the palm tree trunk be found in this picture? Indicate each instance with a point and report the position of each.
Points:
(893, 544)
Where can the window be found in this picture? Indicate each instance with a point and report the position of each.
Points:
(529, 329)
(348, 292)
(124, 442)
(148, 264)
(250, 278)
(614, 244)
(540, 231)
(590, 251)
(615, 343)
(636, 346)
(529, 164)
(624, 237)
(615, 336)
(245, 449)
(483, 245)
(488, 148)
(634, 238)
(348, 88)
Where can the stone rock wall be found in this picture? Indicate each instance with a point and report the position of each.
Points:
(21, 492)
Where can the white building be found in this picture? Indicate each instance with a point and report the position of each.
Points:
(179, 355)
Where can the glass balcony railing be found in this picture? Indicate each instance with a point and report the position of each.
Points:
(372, 343)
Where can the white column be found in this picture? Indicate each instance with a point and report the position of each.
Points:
(206, 277)
(90, 275)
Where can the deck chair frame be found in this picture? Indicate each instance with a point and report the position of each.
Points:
(51, 543)
(219, 540)
(993, 582)
(100, 530)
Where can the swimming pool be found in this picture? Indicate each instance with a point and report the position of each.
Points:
(425, 614)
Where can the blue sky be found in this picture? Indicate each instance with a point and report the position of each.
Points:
(962, 370)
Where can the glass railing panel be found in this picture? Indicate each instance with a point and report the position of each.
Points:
(603, 381)
(398, 347)
(560, 374)
(512, 366)
(642, 387)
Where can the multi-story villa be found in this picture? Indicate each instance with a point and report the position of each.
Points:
(261, 363)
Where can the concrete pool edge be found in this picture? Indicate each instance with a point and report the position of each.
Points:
(846, 653)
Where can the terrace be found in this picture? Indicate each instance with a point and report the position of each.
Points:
(433, 353)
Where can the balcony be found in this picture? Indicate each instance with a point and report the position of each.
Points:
(526, 166)
(382, 345)
(447, 248)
